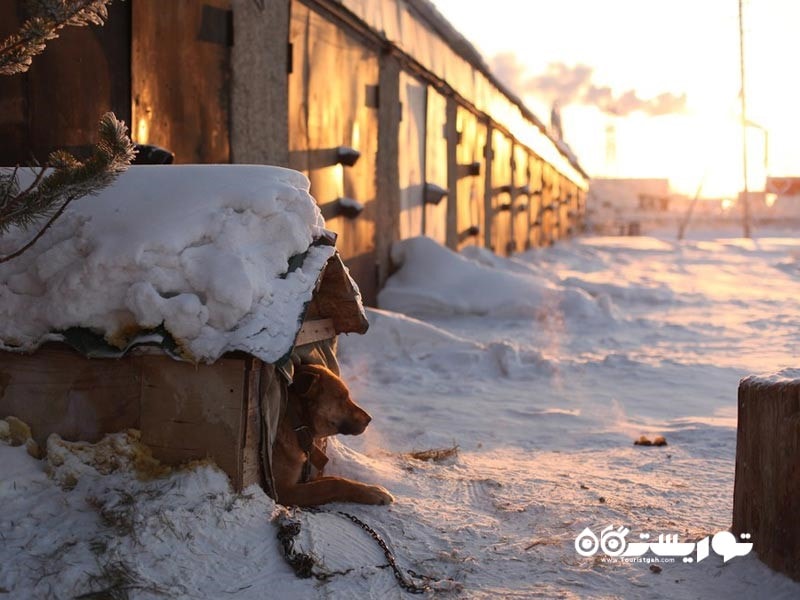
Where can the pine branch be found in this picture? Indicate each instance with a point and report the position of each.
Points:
(49, 194)
(9, 188)
(17, 50)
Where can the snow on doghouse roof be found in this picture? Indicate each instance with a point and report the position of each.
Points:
(216, 257)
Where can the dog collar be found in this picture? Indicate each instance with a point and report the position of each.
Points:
(314, 455)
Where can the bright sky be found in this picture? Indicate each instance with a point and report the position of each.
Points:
(592, 53)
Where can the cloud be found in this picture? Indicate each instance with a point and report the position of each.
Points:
(573, 85)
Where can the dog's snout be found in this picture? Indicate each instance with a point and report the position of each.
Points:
(356, 422)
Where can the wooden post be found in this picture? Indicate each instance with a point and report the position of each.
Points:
(488, 196)
(766, 497)
(511, 244)
(260, 86)
(387, 227)
(451, 126)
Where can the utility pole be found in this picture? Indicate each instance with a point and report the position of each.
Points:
(611, 149)
(745, 192)
(688, 217)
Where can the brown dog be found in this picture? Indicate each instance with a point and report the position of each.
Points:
(319, 405)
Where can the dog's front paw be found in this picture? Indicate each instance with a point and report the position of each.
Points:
(375, 494)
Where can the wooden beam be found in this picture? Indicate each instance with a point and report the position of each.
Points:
(260, 85)
(315, 331)
(488, 192)
(387, 216)
(451, 131)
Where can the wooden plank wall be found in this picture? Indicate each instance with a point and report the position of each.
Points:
(333, 102)
(162, 67)
(570, 209)
(580, 218)
(414, 28)
(470, 189)
(555, 204)
(180, 77)
(436, 164)
(58, 390)
(535, 202)
(57, 104)
(411, 154)
(166, 68)
(184, 411)
(502, 183)
(548, 198)
(520, 215)
(190, 412)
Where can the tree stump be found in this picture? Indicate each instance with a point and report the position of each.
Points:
(766, 496)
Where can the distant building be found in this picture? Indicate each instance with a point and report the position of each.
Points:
(780, 201)
(640, 206)
(628, 206)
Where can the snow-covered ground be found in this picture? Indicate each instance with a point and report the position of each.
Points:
(542, 369)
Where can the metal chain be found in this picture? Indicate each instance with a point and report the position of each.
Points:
(402, 581)
(303, 564)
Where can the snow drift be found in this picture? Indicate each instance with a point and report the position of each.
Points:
(434, 281)
(202, 250)
(89, 513)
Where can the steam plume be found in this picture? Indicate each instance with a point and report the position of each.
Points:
(573, 85)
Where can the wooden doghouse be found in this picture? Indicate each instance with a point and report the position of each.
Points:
(91, 328)
(226, 411)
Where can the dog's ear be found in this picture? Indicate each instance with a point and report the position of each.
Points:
(305, 382)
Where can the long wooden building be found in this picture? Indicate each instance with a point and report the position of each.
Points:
(392, 114)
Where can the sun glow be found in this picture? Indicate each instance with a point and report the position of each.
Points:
(627, 64)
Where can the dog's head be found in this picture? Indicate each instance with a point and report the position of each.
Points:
(328, 405)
